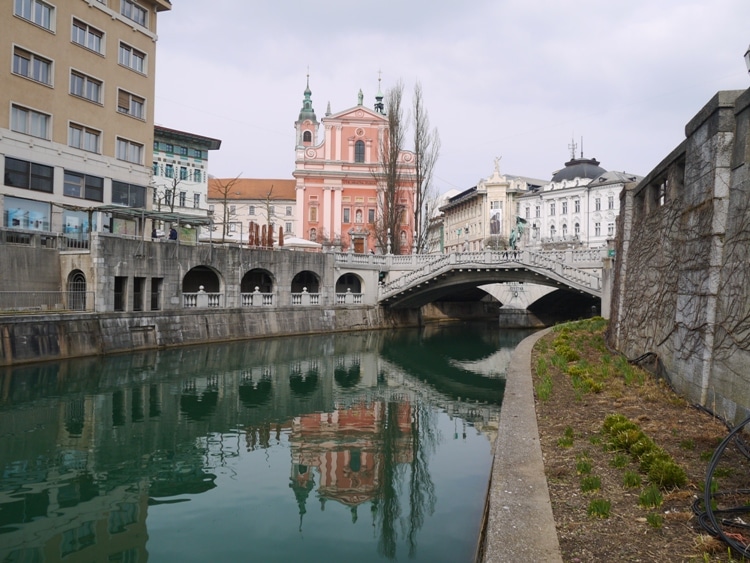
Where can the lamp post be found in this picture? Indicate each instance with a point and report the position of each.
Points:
(747, 59)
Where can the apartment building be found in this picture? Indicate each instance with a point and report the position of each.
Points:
(76, 112)
(180, 171)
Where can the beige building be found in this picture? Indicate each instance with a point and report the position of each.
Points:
(76, 111)
(484, 216)
(234, 203)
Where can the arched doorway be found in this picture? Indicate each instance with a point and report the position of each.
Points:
(77, 291)
(306, 280)
(257, 278)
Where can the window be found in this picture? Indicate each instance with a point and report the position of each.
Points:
(564, 207)
(86, 36)
(610, 229)
(359, 151)
(130, 104)
(133, 11)
(85, 87)
(347, 218)
(371, 216)
(155, 172)
(132, 58)
(167, 197)
(611, 202)
(288, 210)
(35, 11)
(233, 210)
(183, 173)
(552, 208)
(287, 227)
(87, 139)
(577, 206)
(528, 212)
(552, 232)
(30, 122)
(169, 147)
(28, 175)
(313, 214)
(598, 204)
(196, 200)
(128, 194)
(182, 151)
(495, 204)
(211, 209)
(564, 231)
(183, 198)
(29, 65)
(251, 210)
(577, 229)
(538, 211)
(597, 229)
(306, 137)
(83, 186)
(129, 151)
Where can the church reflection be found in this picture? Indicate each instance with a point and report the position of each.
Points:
(88, 446)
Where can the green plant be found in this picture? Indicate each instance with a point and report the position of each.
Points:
(651, 497)
(590, 483)
(583, 465)
(611, 419)
(619, 461)
(706, 456)
(631, 479)
(599, 508)
(666, 474)
(543, 389)
(654, 520)
(567, 440)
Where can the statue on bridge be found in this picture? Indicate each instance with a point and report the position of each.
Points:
(517, 232)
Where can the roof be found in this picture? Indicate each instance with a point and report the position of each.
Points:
(139, 212)
(252, 188)
(579, 168)
(185, 137)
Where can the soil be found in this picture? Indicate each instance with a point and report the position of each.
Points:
(630, 532)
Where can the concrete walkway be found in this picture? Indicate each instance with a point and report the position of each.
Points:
(520, 526)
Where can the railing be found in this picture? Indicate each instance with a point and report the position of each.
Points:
(201, 300)
(305, 299)
(349, 298)
(256, 299)
(52, 301)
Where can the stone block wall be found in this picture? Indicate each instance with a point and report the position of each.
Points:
(681, 292)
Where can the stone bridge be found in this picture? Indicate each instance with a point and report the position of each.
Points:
(579, 270)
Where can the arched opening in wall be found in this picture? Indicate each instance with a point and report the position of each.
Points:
(565, 305)
(201, 276)
(77, 291)
(257, 278)
(307, 137)
(306, 279)
(351, 282)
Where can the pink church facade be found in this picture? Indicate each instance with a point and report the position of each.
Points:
(337, 188)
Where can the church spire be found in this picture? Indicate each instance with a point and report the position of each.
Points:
(307, 111)
(379, 106)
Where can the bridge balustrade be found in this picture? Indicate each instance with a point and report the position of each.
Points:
(201, 300)
(256, 299)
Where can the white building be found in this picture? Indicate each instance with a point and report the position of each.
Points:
(578, 207)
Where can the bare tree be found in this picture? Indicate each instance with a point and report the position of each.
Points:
(223, 188)
(389, 176)
(426, 151)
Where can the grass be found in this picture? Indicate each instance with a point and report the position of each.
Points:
(599, 508)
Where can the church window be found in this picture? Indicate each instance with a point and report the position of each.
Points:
(359, 151)
(307, 137)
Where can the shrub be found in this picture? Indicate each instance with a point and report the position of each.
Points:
(583, 465)
(619, 461)
(666, 474)
(612, 419)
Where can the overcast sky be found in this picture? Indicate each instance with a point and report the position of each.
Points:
(516, 79)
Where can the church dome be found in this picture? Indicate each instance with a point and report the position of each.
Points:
(579, 168)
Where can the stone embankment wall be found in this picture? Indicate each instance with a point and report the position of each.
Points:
(681, 295)
(34, 338)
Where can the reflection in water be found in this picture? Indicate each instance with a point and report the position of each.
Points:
(250, 436)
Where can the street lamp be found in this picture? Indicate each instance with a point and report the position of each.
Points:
(747, 59)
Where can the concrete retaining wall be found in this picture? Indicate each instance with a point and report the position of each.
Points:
(25, 339)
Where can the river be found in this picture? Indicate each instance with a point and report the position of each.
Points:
(366, 446)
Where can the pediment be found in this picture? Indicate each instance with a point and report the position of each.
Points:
(357, 113)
